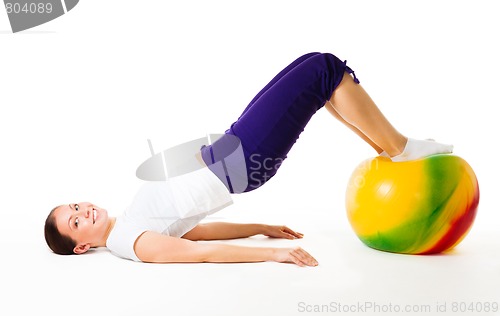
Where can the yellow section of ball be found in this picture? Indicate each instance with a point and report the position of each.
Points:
(382, 194)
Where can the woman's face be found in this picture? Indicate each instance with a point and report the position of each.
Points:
(85, 223)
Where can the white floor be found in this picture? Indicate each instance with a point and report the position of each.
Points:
(350, 276)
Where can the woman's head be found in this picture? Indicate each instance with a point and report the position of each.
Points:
(75, 228)
(60, 244)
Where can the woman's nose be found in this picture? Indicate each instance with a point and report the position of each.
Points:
(89, 210)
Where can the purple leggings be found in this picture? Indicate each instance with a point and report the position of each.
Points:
(274, 119)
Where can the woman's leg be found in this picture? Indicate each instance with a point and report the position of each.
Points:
(273, 121)
(335, 114)
(328, 105)
(357, 109)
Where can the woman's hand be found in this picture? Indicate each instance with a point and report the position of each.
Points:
(295, 255)
(280, 232)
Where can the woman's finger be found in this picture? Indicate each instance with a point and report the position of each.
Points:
(296, 260)
(307, 256)
(304, 257)
(287, 235)
(291, 232)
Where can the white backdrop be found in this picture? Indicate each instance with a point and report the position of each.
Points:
(79, 97)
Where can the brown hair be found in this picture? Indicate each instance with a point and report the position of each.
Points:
(57, 242)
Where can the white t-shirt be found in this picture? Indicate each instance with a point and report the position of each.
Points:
(171, 207)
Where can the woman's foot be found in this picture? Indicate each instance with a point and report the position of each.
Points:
(416, 149)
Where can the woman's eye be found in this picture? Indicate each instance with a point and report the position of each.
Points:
(76, 222)
(76, 207)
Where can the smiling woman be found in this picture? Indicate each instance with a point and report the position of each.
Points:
(79, 226)
(162, 223)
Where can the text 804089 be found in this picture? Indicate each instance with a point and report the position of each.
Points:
(28, 8)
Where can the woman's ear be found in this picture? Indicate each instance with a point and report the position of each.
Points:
(80, 249)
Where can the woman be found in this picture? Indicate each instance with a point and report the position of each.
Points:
(161, 225)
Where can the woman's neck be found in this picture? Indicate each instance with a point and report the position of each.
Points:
(111, 224)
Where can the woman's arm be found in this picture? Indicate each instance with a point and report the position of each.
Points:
(220, 231)
(158, 248)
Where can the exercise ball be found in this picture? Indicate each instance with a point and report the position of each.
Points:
(423, 206)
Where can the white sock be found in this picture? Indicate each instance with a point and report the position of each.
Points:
(416, 149)
(384, 154)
